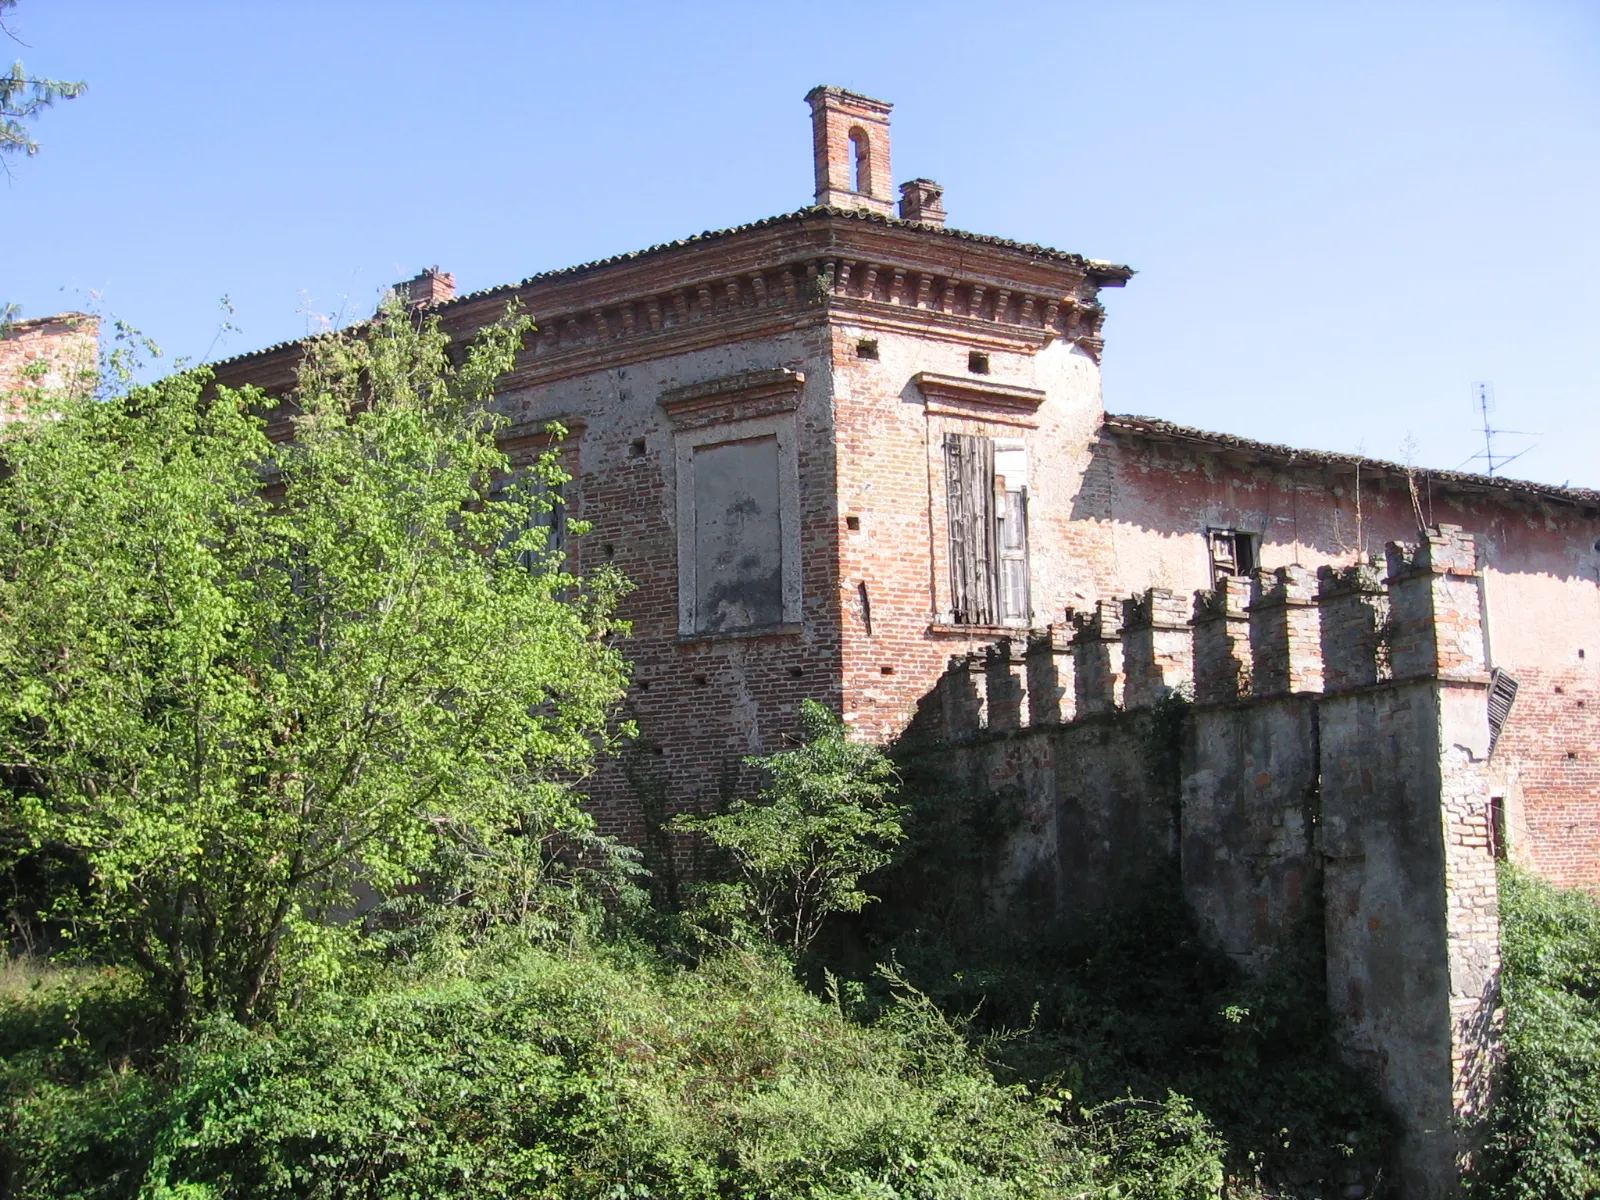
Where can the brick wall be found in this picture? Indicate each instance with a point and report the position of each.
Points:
(46, 353)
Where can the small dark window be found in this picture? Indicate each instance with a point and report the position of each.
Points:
(852, 523)
(867, 348)
(978, 363)
(885, 670)
(636, 448)
(1233, 552)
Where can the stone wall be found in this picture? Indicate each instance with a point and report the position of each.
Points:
(1334, 780)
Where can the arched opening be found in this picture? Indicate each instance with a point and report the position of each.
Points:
(860, 161)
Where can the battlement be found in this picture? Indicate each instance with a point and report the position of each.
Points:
(1285, 632)
(1445, 550)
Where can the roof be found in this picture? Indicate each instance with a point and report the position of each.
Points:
(1158, 430)
(1113, 274)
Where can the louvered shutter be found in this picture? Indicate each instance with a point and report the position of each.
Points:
(1502, 695)
(1013, 545)
(969, 472)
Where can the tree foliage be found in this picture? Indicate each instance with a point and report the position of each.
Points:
(23, 97)
(800, 849)
(1544, 1139)
(250, 682)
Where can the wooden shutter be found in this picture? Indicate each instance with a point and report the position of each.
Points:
(1013, 546)
(1502, 695)
(969, 474)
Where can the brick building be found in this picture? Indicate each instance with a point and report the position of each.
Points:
(851, 454)
(837, 447)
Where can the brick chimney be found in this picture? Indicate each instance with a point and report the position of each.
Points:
(850, 135)
(922, 200)
(431, 287)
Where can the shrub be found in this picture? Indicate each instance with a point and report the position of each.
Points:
(800, 849)
(1544, 1136)
(583, 1075)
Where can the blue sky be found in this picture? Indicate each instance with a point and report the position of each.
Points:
(1343, 214)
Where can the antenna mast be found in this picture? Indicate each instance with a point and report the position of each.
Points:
(1483, 401)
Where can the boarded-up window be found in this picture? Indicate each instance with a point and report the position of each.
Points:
(988, 519)
(738, 536)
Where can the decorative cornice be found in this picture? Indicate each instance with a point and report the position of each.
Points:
(979, 399)
(790, 270)
(734, 397)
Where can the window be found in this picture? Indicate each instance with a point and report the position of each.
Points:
(987, 504)
(978, 362)
(1233, 552)
(548, 513)
(737, 482)
(738, 536)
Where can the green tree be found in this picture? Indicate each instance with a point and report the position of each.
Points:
(23, 97)
(801, 848)
(1544, 1132)
(247, 682)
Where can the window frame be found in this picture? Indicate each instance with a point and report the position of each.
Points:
(782, 429)
(997, 510)
(1230, 568)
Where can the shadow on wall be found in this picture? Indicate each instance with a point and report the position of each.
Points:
(1338, 752)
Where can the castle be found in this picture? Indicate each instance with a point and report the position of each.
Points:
(852, 454)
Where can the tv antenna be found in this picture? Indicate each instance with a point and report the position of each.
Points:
(1483, 401)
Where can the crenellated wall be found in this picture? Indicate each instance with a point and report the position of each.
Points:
(1330, 778)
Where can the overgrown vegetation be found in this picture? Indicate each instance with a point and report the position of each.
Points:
(1544, 1138)
(799, 850)
(240, 706)
(576, 1074)
(1127, 1002)
(292, 737)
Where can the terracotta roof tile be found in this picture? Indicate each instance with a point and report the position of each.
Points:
(1111, 273)
(1156, 429)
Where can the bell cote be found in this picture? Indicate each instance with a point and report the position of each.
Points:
(850, 135)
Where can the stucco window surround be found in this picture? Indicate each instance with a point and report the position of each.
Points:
(723, 431)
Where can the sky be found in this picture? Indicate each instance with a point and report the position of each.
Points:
(1343, 214)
